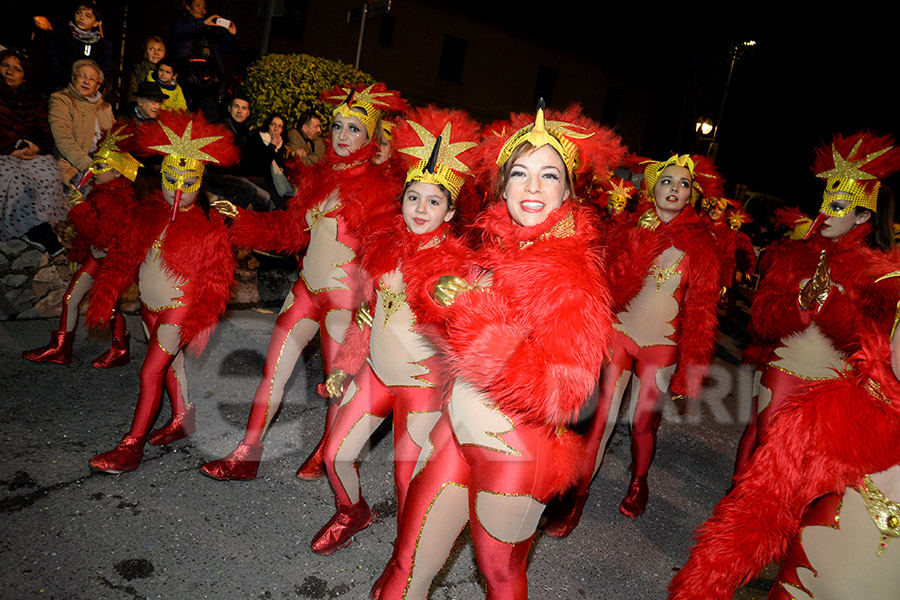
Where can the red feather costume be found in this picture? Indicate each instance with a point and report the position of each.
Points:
(337, 200)
(821, 443)
(526, 352)
(664, 279)
(396, 368)
(185, 269)
(96, 219)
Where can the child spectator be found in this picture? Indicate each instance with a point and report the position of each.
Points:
(83, 38)
(154, 51)
(166, 77)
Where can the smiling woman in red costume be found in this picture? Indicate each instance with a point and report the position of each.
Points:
(664, 274)
(809, 304)
(338, 198)
(821, 494)
(182, 258)
(399, 367)
(96, 219)
(527, 334)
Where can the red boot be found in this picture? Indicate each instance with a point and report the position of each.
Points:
(635, 502)
(565, 514)
(241, 464)
(121, 459)
(314, 466)
(337, 532)
(58, 351)
(179, 426)
(118, 354)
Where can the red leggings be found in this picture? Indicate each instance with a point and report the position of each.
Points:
(281, 359)
(367, 402)
(75, 294)
(494, 491)
(156, 371)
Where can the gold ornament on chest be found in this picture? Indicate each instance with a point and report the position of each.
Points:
(884, 512)
(391, 302)
(662, 275)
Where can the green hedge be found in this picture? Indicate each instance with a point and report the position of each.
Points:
(291, 83)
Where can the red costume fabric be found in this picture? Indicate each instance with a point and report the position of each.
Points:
(337, 201)
(526, 353)
(776, 317)
(820, 441)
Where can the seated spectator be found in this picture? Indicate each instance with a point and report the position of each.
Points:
(263, 157)
(307, 143)
(83, 38)
(166, 77)
(154, 51)
(78, 117)
(148, 102)
(32, 197)
(226, 182)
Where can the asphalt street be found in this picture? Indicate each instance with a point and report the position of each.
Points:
(166, 531)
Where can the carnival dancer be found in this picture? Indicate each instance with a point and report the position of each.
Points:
(338, 199)
(181, 255)
(811, 297)
(526, 333)
(96, 221)
(664, 275)
(821, 494)
(399, 367)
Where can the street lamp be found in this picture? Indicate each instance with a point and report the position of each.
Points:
(736, 51)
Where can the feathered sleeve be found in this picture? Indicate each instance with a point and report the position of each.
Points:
(775, 312)
(697, 337)
(212, 281)
(744, 254)
(630, 251)
(274, 231)
(537, 349)
(120, 268)
(820, 441)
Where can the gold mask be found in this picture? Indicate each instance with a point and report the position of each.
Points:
(847, 181)
(187, 168)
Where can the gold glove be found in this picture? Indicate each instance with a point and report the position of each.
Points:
(817, 288)
(334, 385)
(448, 288)
(73, 267)
(363, 317)
(76, 197)
(225, 208)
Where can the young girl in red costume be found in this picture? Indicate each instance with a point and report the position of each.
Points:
(664, 274)
(184, 264)
(96, 220)
(821, 494)
(808, 305)
(338, 198)
(527, 334)
(399, 367)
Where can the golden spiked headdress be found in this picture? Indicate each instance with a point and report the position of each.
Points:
(705, 179)
(853, 168)
(368, 104)
(737, 217)
(114, 153)
(438, 157)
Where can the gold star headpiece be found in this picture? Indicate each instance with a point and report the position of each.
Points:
(110, 156)
(846, 181)
(558, 134)
(185, 154)
(370, 104)
(438, 159)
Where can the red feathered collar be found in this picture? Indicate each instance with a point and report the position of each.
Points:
(386, 248)
(499, 227)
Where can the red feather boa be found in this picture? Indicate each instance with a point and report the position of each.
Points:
(195, 247)
(97, 219)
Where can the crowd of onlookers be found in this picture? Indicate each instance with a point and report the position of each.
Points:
(54, 85)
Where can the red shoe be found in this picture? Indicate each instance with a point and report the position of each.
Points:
(565, 515)
(241, 464)
(375, 592)
(179, 426)
(118, 354)
(314, 466)
(338, 531)
(635, 502)
(58, 351)
(121, 459)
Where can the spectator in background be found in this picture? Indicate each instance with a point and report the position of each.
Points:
(199, 42)
(154, 51)
(148, 102)
(31, 194)
(78, 117)
(82, 39)
(262, 160)
(166, 77)
(307, 143)
(225, 182)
